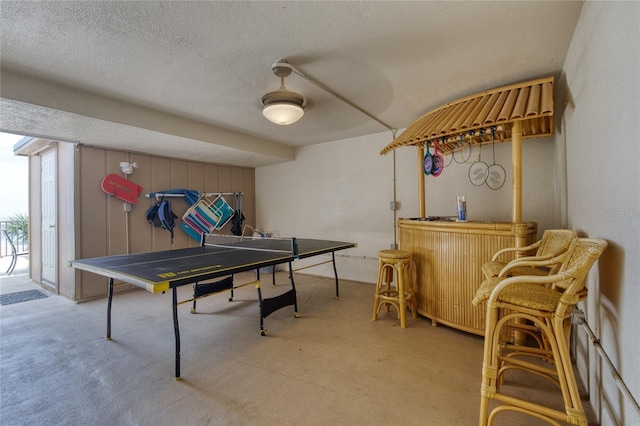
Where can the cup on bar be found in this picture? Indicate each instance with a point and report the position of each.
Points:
(462, 208)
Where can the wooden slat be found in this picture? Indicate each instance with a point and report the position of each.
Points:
(507, 108)
(474, 113)
(523, 100)
(533, 103)
(497, 107)
(465, 113)
(546, 100)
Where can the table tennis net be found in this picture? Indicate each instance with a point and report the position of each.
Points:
(283, 245)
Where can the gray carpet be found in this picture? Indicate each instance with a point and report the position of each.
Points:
(21, 296)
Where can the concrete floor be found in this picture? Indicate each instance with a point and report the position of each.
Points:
(333, 365)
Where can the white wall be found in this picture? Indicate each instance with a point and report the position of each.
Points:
(603, 200)
(337, 191)
(342, 191)
(483, 203)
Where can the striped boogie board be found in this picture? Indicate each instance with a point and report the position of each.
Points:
(206, 216)
(221, 208)
(193, 233)
(194, 224)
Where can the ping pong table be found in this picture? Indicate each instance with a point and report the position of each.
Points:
(158, 272)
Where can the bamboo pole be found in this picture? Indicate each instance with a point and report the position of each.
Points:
(421, 203)
(516, 171)
(516, 203)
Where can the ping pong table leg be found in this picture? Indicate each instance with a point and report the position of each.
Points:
(335, 272)
(193, 308)
(272, 304)
(293, 287)
(109, 300)
(263, 332)
(176, 331)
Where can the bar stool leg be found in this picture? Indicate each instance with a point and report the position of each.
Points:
(412, 303)
(402, 302)
(388, 277)
(376, 300)
(385, 277)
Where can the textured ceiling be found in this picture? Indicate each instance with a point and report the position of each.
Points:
(185, 79)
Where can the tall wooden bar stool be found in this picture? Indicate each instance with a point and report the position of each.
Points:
(401, 296)
(553, 243)
(547, 303)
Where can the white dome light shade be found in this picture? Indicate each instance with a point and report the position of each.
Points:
(282, 106)
(283, 113)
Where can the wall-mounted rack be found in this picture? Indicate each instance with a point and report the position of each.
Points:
(158, 195)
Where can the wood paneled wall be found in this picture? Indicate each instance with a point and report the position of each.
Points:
(105, 228)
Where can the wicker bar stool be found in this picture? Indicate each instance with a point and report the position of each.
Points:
(546, 302)
(553, 243)
(396, 262)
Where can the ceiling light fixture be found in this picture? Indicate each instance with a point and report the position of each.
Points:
(282, 106)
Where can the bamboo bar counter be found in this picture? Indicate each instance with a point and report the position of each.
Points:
(448, 257)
